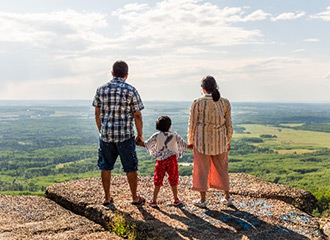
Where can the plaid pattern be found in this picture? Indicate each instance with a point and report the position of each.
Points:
(117, 101)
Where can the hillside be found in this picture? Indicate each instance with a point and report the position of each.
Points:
(262, 211)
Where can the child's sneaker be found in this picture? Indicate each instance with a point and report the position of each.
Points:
(152, 203)
(177, 202)
(228, 202)
(199, 203)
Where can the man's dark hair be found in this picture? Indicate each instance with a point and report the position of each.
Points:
(163, 123)
(120, 69)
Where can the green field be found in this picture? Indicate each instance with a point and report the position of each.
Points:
(287, 138)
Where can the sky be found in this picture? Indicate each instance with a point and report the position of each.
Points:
(258, 51)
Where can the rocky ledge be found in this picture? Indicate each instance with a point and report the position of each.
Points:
(262, 211)
(36, 218)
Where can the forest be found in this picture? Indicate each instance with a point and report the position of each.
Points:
(45, 142)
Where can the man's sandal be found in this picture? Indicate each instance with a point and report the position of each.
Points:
(108, 203)
(139, 202)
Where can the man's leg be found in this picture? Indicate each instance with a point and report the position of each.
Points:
(132, 178)
(107, 157)
(106, 182)
(129, 161)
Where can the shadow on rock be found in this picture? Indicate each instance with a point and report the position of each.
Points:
(250, 225)
(155, 228)
(197, 226)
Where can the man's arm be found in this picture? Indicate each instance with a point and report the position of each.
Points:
(97, 118)
(139, 126)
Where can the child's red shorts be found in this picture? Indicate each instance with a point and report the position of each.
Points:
(169, 165)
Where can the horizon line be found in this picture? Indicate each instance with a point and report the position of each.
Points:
(76, 100)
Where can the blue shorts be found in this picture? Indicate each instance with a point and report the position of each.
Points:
(109, 152)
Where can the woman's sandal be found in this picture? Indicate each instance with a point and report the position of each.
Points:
(139, 202)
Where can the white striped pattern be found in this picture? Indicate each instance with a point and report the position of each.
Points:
(210, 126)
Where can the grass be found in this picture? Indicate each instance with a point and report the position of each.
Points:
(24, 193)
(292, 124)
(287, 138)
(294, 151)
(52, 179)
(62, 165)
(122, 228)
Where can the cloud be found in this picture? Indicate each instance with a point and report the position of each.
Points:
(169, 45)
(262, 65)
(311, 40)
(55, 29)
(299, 50)
(150, 28)
(256, 16)
(325, 16)
(326, 76)
(288, 16)
(185, 22)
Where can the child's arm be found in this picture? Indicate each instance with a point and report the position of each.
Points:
(150, 145)
(182, 145)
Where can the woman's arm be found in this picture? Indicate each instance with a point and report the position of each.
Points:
(228, 123)
(192, 123)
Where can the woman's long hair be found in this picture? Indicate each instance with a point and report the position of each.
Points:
(211, 87)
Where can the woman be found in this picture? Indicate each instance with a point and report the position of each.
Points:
(210, 130)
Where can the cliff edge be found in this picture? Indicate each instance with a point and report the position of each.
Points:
(74, 210)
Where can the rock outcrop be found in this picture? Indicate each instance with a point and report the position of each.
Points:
(36, 218)
(262, 210)
(247, 185)
(74, 210)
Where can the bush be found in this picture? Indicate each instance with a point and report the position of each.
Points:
(253, 140)
(311, 159)
(304, 170)
(268, 136)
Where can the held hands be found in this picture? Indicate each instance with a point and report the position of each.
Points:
(139, 138)
(139, 141)
(191, 146)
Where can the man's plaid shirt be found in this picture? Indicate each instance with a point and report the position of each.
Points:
(117, 101)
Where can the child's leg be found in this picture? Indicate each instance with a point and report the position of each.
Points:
(158, 178)
(175, 192)
(173, 175)
(156, 191)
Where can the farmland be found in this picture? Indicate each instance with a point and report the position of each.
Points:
(42, 143)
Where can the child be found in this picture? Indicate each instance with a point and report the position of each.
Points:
(166, 147)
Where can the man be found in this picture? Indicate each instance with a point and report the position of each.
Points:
(117, 104)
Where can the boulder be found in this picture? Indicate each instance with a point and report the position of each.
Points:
(248, 185)
(325, 225)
